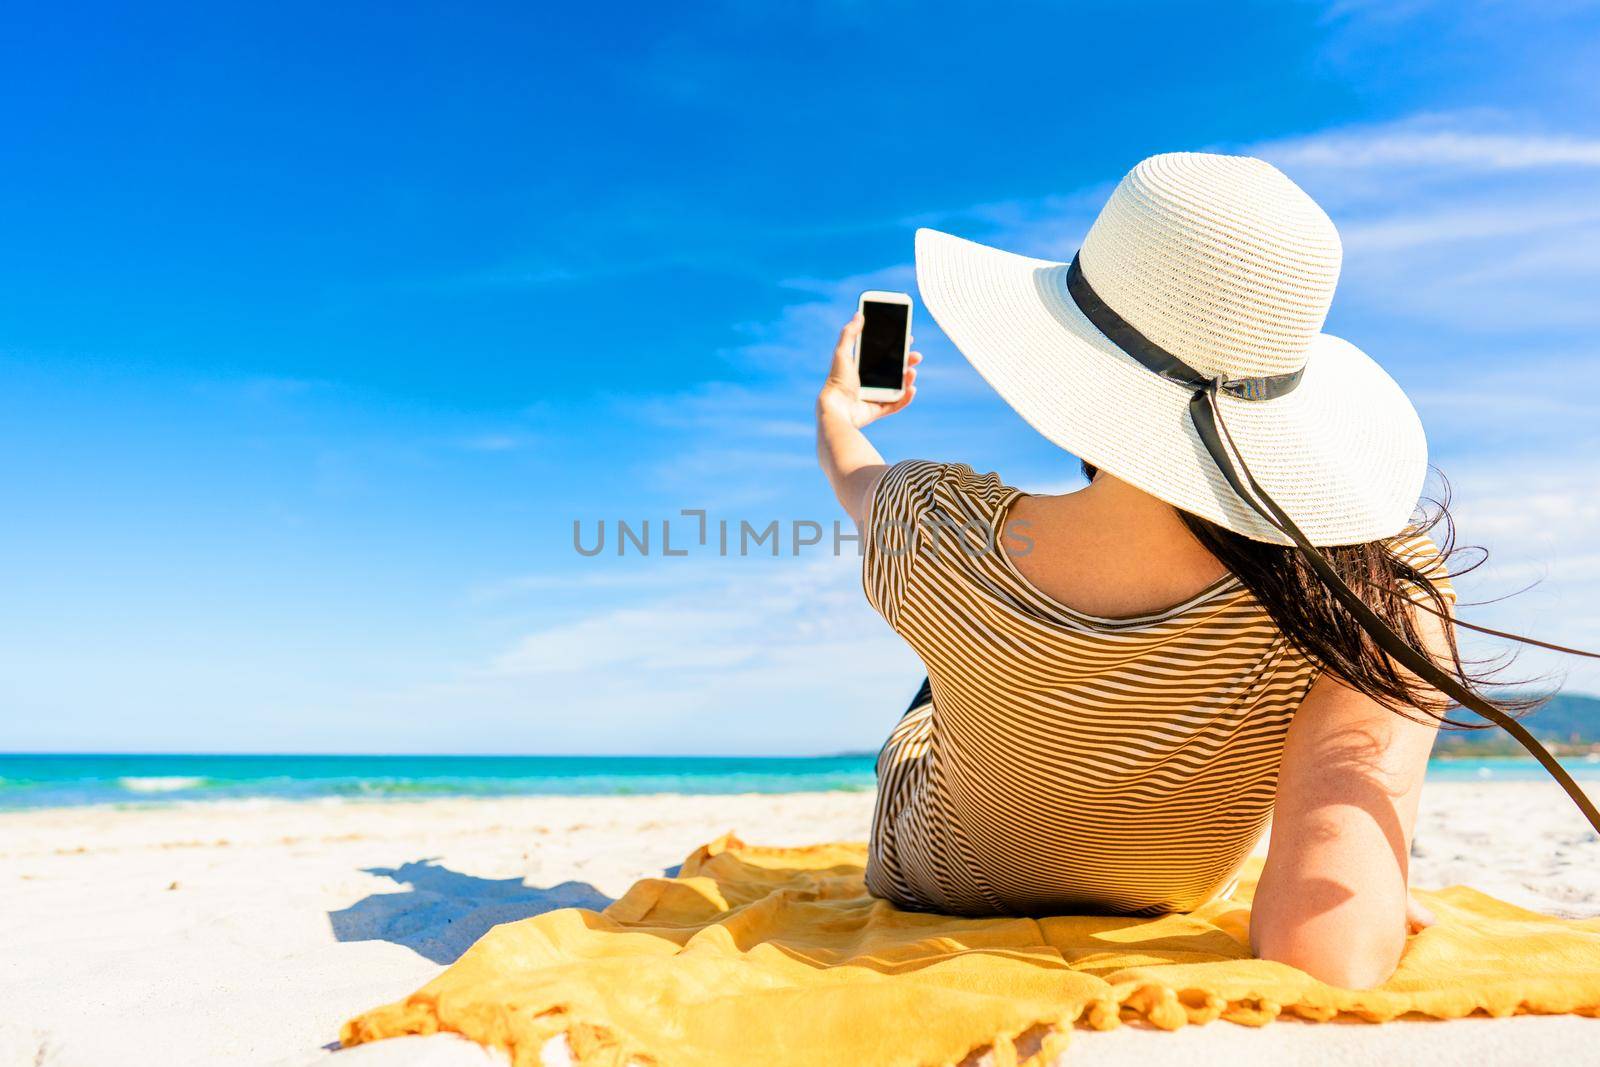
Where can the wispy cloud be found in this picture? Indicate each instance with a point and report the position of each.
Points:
(495, 442)
(750, 656)
(1388, 12)
(262, 389)
(1540, 518)
(1429, 142)
(1458, 223)
(789, 346)
(723, 406)
(1467, 222)
(635, 580)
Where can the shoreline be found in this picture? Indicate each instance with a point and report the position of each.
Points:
(153, 784)
(247, 931)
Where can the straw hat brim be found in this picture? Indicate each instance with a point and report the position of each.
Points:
(1343, 453)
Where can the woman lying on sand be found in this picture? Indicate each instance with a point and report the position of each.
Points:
(1127, 682)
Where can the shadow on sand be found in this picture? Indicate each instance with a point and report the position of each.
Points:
(445, 911)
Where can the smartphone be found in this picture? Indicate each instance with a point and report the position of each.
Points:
(884, 344)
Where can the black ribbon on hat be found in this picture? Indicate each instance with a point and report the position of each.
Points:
(1122, 333)
(1205, 413)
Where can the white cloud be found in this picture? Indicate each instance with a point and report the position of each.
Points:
(1539, 517)
(494, 442)
(726, 407)
(797, 343)
(588, 581)
(1421, 143)
(1398, 230)
(745, 615)
(1384, 10)
(665, 637)
(748, 656)
(1462, 223)
(1522, 396)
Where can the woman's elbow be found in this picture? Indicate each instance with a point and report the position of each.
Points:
(1350, 959)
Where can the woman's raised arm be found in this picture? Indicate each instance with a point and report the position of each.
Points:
(852, 465)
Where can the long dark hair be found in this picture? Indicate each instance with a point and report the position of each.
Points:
(1392, 585)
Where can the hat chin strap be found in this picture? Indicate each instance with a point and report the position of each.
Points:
(1205, 412)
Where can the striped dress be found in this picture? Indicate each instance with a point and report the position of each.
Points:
(1057, 761)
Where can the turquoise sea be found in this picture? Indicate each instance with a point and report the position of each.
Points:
(44, 781)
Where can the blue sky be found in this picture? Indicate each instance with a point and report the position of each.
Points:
(321, 327)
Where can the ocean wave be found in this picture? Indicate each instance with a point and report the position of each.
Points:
(165, 784)
(380, 787)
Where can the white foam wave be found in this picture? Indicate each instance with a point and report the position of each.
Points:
(159, 785)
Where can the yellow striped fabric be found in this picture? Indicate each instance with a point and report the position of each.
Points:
(1066, 762)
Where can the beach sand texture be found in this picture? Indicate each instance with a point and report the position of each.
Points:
(245, 933)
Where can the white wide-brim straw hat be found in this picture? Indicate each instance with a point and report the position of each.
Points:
(1225, 263)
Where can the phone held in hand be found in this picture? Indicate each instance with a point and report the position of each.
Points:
(884, 344)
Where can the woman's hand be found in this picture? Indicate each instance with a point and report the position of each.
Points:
(841, 393)
(1418, 917)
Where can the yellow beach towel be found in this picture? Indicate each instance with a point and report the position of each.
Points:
(779, 957)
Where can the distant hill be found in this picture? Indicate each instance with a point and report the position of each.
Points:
(1568, 719)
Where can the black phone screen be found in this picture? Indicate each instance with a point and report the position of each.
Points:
(883, 345)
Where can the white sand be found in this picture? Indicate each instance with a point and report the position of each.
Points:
(245, 933)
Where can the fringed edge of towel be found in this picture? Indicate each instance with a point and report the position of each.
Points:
(524, 1032)
(523, 1039)
(593, 1045)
